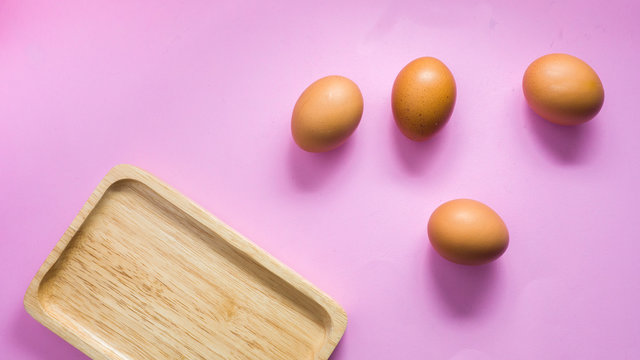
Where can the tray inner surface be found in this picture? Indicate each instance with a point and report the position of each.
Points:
(141, 279)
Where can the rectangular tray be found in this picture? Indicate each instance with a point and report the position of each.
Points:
(144, 273)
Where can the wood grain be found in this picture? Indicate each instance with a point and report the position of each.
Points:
(144, 273)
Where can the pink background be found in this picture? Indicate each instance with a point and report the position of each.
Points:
(201, 93)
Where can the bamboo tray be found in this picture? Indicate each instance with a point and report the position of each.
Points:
(144, 273)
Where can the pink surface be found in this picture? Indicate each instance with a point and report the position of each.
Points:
(200, 94)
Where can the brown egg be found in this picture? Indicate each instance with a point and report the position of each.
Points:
(563, 89)
(326, 114)
(467, 232)
(423, 97)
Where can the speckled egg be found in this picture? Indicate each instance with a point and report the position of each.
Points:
(423, 97)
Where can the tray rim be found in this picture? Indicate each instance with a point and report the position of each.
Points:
(336, 314)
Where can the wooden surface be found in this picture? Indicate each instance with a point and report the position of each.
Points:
(144, 273)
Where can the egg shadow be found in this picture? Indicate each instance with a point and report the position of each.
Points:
(464, 290)
(415, 156)
(566, 144)
(310, 171)
(40, 342)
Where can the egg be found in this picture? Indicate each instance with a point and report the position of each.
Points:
(423, 97)
(326, 114)
(467, 232)
(563, 89)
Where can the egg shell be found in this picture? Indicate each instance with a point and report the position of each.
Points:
(326, 114)
(467, 232)
(423, 97)
(563, 89)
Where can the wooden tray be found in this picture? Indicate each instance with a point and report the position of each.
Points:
(144, 273)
